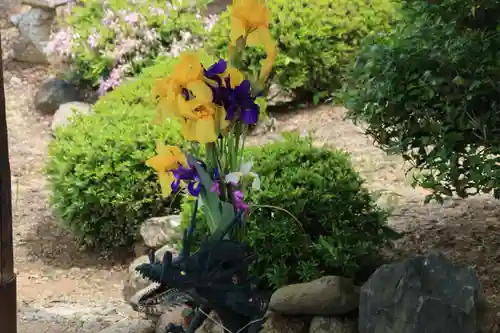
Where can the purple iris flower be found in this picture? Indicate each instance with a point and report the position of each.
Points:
(241, 104)
(216, 69)
(188, 175)
(220, 93)
(238, 197)
(216, 188)
(239, 101)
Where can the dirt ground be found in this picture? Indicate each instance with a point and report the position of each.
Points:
(52, 269)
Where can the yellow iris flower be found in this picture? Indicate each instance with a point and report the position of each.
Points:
(235, 77)
(186, 95)
(187, 78)
(250, 20)
(202, 122)
(168, 158)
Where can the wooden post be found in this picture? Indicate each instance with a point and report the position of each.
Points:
(8, 302)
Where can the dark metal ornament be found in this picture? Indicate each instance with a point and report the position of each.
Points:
(213, 278)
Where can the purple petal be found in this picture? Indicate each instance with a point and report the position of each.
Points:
(194, 188)
(176, 184)
(250, 115)
(218, 68)
(215, 188)
(238, 197)
(243, 90)
(230, 112)
(216, 174)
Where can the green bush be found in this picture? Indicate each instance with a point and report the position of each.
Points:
(101, 188)
(316, 40)
(111, 40)
(336, 228)
(430, 92)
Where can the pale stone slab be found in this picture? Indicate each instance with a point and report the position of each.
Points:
(50, 4)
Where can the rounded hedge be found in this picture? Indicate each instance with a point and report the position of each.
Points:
(101, 188)
(316, 40)
(311, 217)
(430, 91)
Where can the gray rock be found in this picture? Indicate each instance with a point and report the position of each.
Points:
(16, 18)
(63, 114)
(159, 231)
(424, 294)
(52, 93)
(45, 3)
(134, 282)
(34, 29)
(174, 317)
(326, 296)
(160, 252)
(274, 323)
(332, 325)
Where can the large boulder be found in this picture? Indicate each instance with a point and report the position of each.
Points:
(54, 92)
(326, 296)
(66, 111)
(159, 231)
(424, 294)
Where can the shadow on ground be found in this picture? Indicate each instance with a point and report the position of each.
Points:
(54, 246)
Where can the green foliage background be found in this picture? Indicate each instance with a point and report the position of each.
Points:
(316, 40)
(430, 91)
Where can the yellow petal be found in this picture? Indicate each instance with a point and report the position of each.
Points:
(178, 155)
(238, 29)
(157, 163)
(267, 65)
(205, 130)
(166, 179)
(186, 108)
(210, 82)
(261, 37)
(188, 69)
(201, 91)
(221, 117)
(235, 77)
(188, 130)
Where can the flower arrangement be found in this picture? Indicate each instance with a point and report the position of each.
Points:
(215, 106)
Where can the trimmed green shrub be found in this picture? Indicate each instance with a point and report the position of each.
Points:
(311, 217)
(111, 40)
(101, 188)
(430, 91)
(316, 40)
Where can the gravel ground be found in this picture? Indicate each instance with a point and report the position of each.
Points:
(50, 268)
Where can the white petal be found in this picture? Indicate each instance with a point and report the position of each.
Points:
(255, 182)
(246, 167)
(233, 177)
